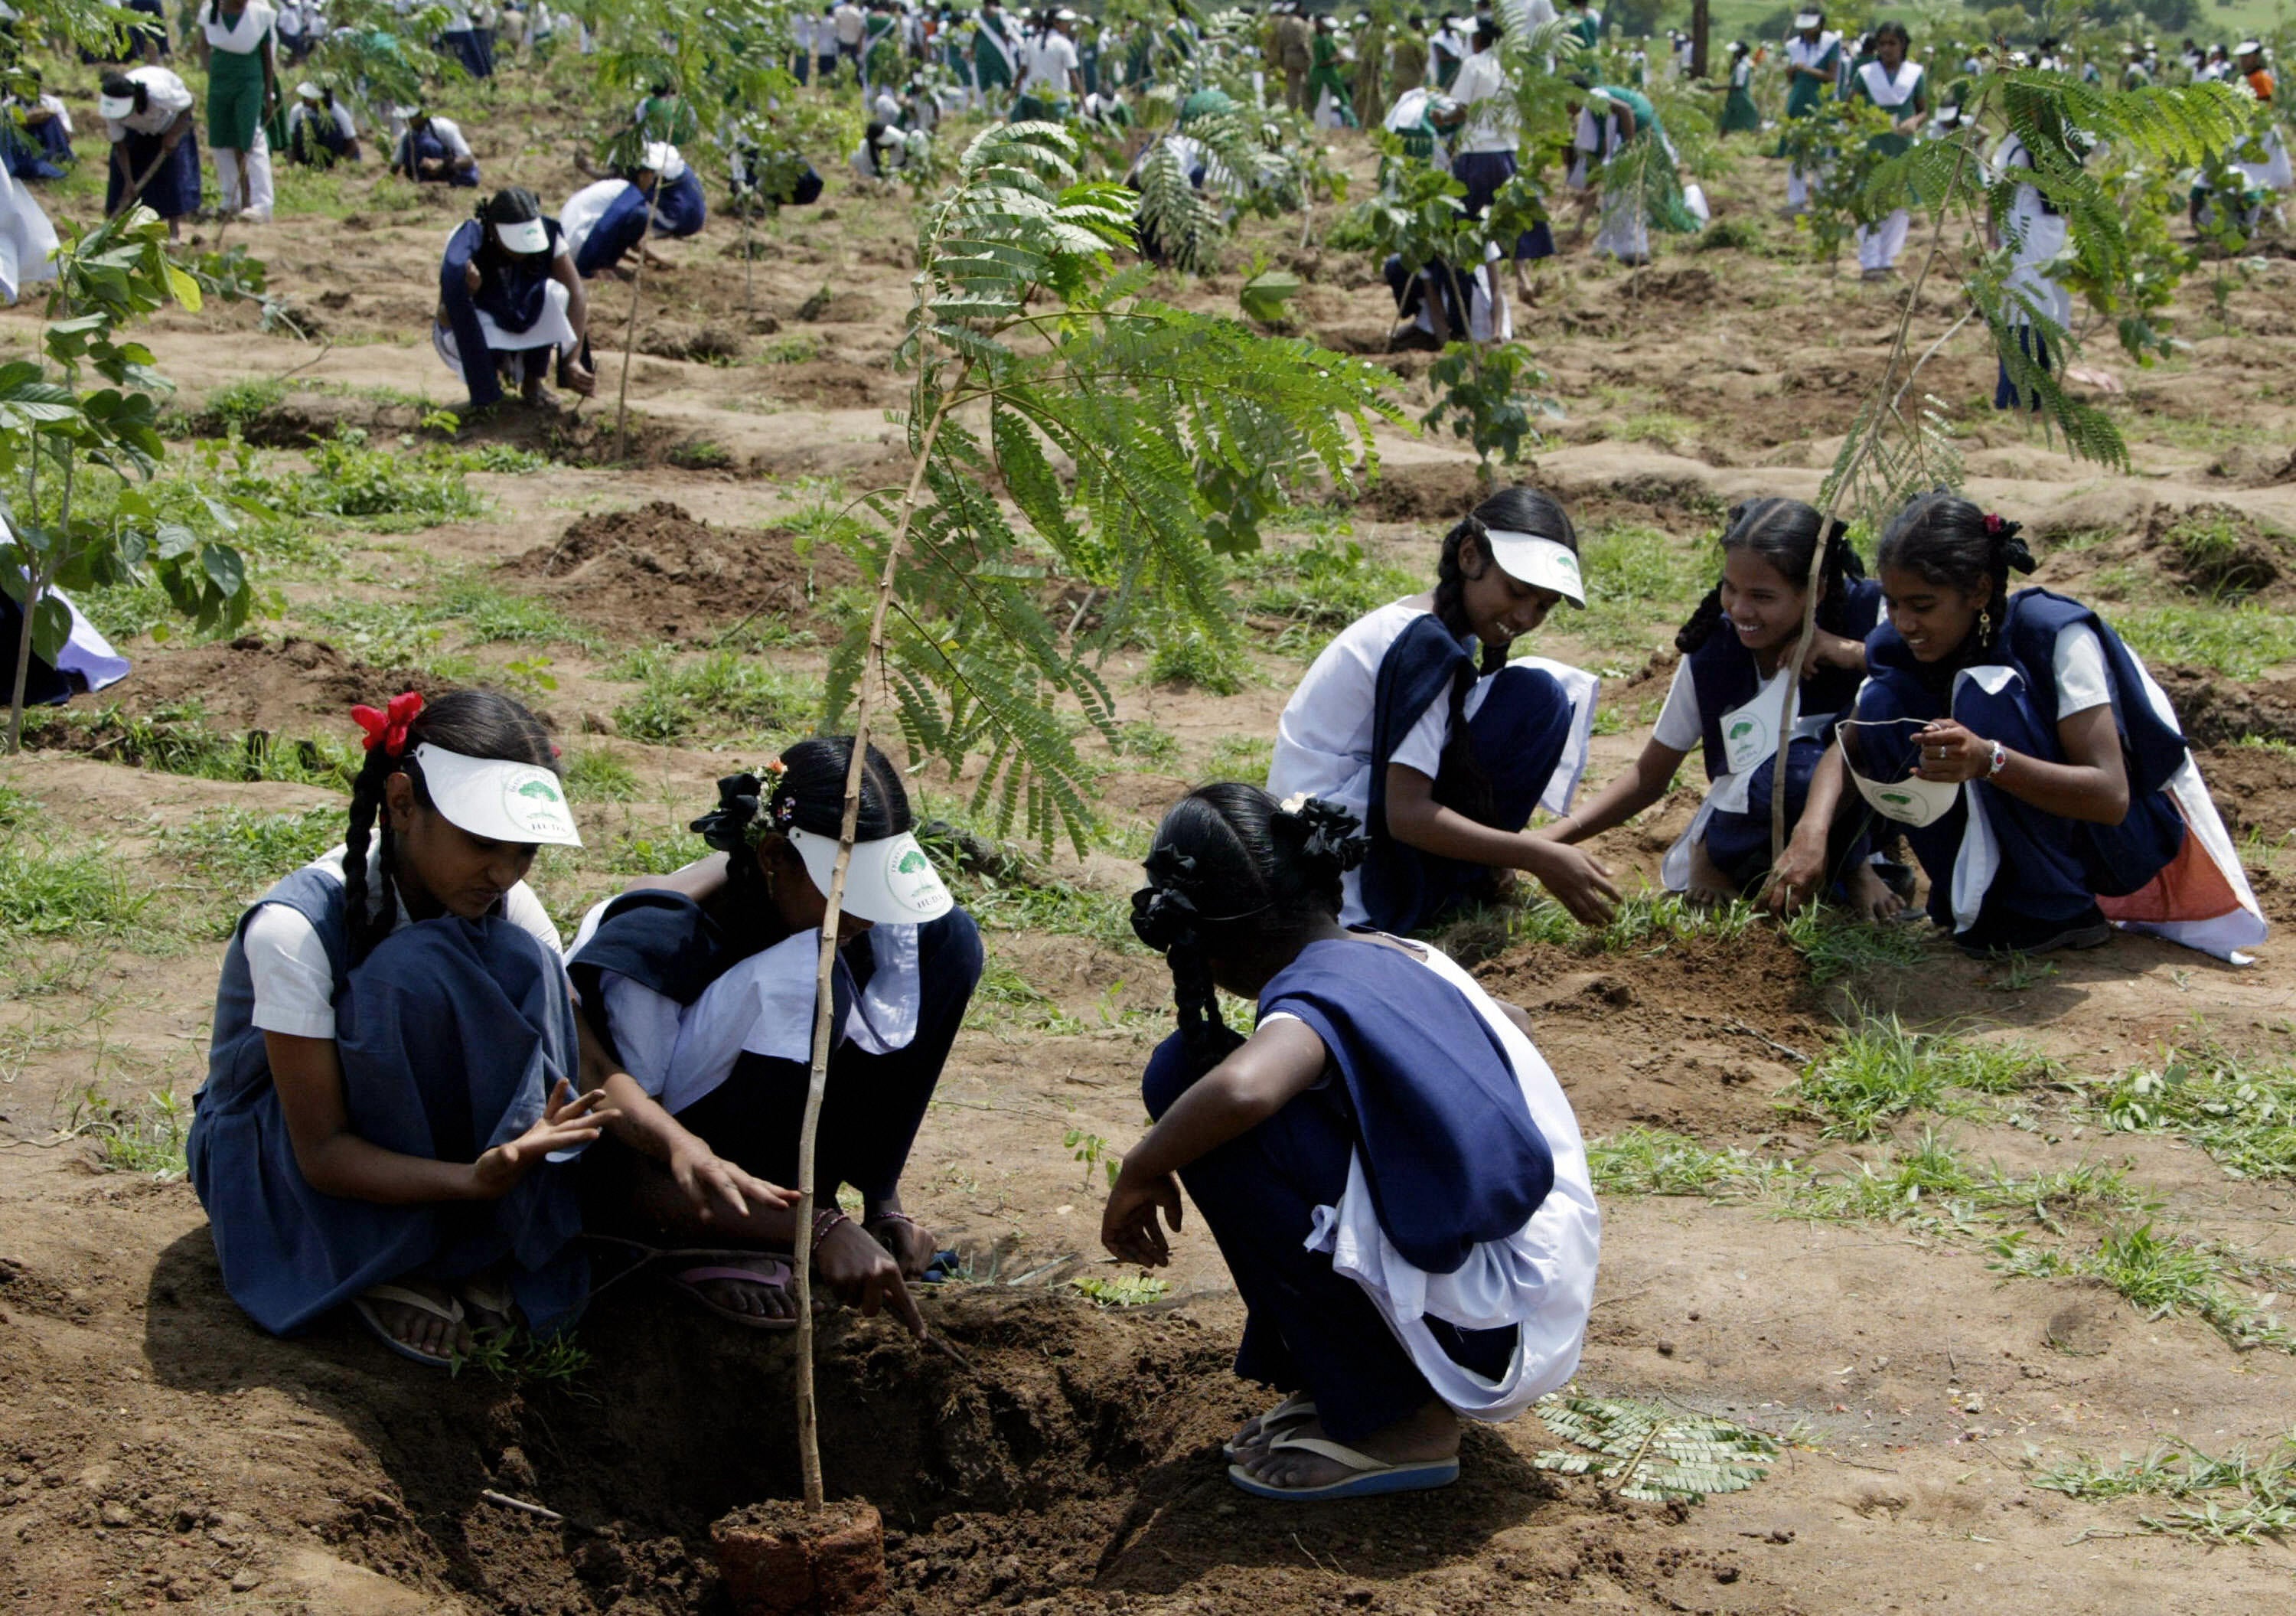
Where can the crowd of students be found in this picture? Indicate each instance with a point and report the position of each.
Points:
(423, 1110)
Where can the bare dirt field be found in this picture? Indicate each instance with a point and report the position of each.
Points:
(1927, 1342)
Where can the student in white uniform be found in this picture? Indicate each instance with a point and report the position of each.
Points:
(2034, 233)
(1897, 85)
(147, 119)
(1813, 61)
(1415, 720)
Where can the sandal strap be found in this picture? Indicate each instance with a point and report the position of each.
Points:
(451, 1311)
(1323, 1448)
(775, 1275)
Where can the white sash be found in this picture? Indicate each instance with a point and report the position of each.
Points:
(1886, 94)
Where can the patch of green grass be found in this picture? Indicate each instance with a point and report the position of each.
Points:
(2242, 1112)
(790, 348)
(594, 774)
(1241, 757)
(16, 808)
(1641, 1161)
(393, 635)
(2232, 1499)
(395, 489)
(1186, 657)
(487, 614)
(1838, 947)
(716, 690)
(144, 1136)
(707, 455)
(672, 848)
(176, 739)
(2269, 743)
(244, 850)
(1326, 584)
(1882, 1071)
(1658, 427)
(51, 891)
(2238, 642)
(233, 408)
(2164, 1276)
(1144, 741)
(1634, 574)
(1933, 1186)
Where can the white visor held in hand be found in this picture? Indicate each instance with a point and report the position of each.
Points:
(1909, 801)
(519, 803)
(525, 237)
(1543, 563)
(115, 107)
(307, 90)
(891, 881)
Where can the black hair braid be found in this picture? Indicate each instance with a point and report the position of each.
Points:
(367, 808)
(1205, 1037)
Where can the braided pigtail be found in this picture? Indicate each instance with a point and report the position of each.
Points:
(367, 929)
(1165, 917)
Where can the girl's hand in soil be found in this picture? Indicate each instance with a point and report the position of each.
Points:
(911, 1243)
(568, 1121)
(1794, 879)
(715, 1186)
(1580, 882)
(1127, 1226)
(580, 377)
(862, 1275)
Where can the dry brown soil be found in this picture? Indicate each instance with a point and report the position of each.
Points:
(155, 1448)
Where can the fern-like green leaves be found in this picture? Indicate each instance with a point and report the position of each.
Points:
(1079, 450)
(1640, 1450)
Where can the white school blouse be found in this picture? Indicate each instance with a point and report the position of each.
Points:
(242, 37)
(295, 984)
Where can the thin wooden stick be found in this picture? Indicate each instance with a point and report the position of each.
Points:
(630, 335)
(539, 1512)
(809, 1431)
(1786, 713)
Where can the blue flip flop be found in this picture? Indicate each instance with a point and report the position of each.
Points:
(1372, 1476)
(1287, 1416)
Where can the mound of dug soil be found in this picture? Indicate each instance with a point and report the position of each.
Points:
(2217, 711)
(1682, 1033)
(656, 569)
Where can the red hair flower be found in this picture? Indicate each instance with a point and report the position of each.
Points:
(1993, 525)
(389, 727)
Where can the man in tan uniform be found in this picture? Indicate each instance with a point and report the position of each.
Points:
(1295, 49)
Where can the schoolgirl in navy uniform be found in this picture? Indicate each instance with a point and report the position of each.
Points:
(698, 994)
(393, 1047)
(1414, 720)
(1729, 695)
(1391, 1171)
(2039, 770)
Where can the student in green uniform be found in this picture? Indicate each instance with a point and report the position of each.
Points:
(1327, 91)
(1813, 60)
(1739, 116)
(1901, 88)
(237, 37)
(994, 51)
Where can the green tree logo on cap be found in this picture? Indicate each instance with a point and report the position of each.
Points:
(910, 863)
(541, 791)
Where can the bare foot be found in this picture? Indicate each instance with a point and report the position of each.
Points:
(1708, 887)
(1425, 1436)
(419, 1328)
(1870, 895)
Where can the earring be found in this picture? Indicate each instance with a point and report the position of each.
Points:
(1985, 624)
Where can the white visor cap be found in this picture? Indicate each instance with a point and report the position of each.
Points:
(526, 236)
(502, 801)
(890, 882)
(662, 158)
(1541, 562)
(307, 90)
(1806, 20)
(115, 107)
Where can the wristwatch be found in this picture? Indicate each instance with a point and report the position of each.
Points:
(2000, 760)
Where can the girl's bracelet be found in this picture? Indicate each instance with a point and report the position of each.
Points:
(823, 1221)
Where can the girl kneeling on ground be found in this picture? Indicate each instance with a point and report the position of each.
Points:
(2039, 772)
(1440, 752)
(698, 994)
(393, 1049)
(1392, 1173)
(1728, 697)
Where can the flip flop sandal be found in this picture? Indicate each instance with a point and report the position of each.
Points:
(363, 1304)
(774, 1275)
(1280, 1421)
(1370, 1477)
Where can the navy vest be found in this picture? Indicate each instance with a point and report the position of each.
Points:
(1723, 673)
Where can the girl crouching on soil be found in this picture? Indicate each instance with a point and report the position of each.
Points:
(2039, 772)
(393, 1049)
(697, 998)
(1728, 697)
(1393, 1174)
(1415, 721)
